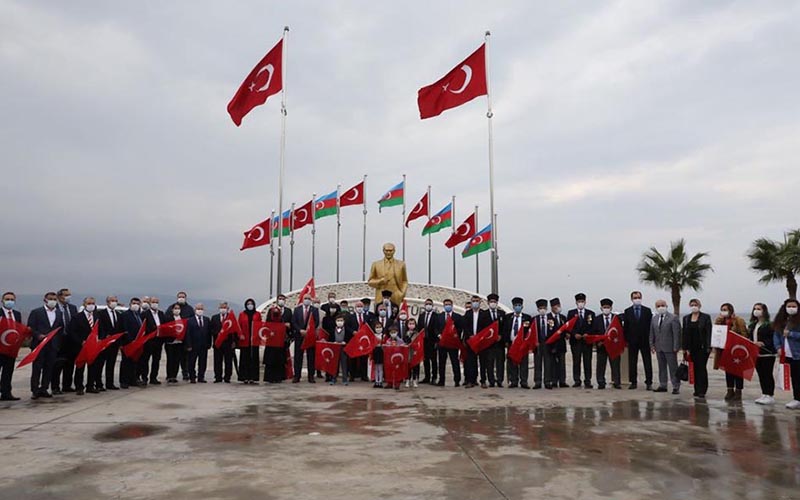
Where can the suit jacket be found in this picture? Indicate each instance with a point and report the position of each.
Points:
(508, 326)
(701, 341)
(133, 322)
(388, 322)
(78, 332)
(187, 311)
(600, 323)
(665, 337)
(198, 338)
(330, 310)
(40, 326)
(352, 320)
(106, 327)
(434, 326)
(215, 326)
(556, 320)
(468, 329)
(637, 332)
(582, 326)
(299, 323)
(151, 322)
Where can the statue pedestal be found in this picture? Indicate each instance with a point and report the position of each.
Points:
(623, 367)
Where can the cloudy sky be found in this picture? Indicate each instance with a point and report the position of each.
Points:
(618, 125)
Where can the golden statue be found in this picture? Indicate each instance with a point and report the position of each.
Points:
(389, 274)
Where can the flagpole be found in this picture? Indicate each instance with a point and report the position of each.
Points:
(477, 263)
(403, 221)
(271, 254)
(313, 233)
(489, 115)
(364, 236)
(429, 235)
(283, 160)
(291, 248)
(338, 229)
(452, 232)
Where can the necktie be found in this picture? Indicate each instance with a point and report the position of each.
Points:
(305, 315)
(360, 320)
(10, 315)
(113, 316)
(515, 326)
(638, 311)
(543, 327)
(606, 322)
(660, 320)
(90, 317)
(200, 321)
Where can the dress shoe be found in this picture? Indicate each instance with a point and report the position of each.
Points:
(425, 381)
(563, 385)
(576, 384)
(45, 394)
(632, 387)
(483, 385)
(548, 386)
(457, 383)
(729, 395)
(112, 387)
(588, 386)
(491, 384)
(202, 381)
(92, 391)
(649, 387)
(617, 386)
(79, 392)
(537, 386)
(312, 381)
(185, 377)
(601, 386)
(34, 395)
(525, 386)
(295, 380)
(217, 381)
(661, 389)
(440, 384)
(155, 382)
(192, 381)
(512, 386)
(9, 397)
(57, 392)
(676, 391)
(499, 384)
(101, 389)
(70, 389)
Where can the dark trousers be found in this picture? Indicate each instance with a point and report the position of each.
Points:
(484, 358)
(497, 362)
(559, 368)
(109, 362)
(127, 371)
(94, 371)
(633, 363)
(6, 372)
(602, 361)
(298, 359)
(150, 362)
(79, 377)
(358, 367)
(430, 364)
(764, 368)
(551, 375)
(454, 363)
(734, 382)
(184, 361)
(249, 364)
(470, 366)
(700, 361)
(581, 354)
(174, 353)
(197, 361)
(518, 373)
(794, 366)
(223, 363)
(63, 373)
(42, 369)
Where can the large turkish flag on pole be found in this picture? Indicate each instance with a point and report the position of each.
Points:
(462, 84)
(257, 236)
(264, 80)
(463, 232)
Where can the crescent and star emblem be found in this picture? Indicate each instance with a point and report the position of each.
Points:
(260, 234)
(269, 68)
(327, 349)
(354, 197)
(739, 359)
(396, 355)
(467, 78)
(467, 229)
(361, 347)
(9, 333)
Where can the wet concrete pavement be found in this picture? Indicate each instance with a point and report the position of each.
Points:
(316, 441)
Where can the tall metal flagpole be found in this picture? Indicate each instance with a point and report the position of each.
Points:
(452, 232)
(429, 235)
(338, 228)
(291, 248)
(364, 237)
(283, 162)
(489, 116)
(477, 263)
(313, 234)
(271, 254)
(403, 222)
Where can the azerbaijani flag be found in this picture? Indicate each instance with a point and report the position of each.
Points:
(442, 219)
(286, 224)
(325, 205)
(393, 197)
(479, 243)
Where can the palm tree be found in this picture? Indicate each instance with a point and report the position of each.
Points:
(674, 272)
(777, 261)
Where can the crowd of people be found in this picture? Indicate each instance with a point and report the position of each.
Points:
(647, 332)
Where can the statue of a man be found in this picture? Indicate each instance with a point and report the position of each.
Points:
(389, 274)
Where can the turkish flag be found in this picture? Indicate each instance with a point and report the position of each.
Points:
(395, 363)
(135, 349)
(12, 334)
(302, 216)
(419, 210)
(449, 337)
(362, 343)
(309, 290)
(566, 327)
(417, 349)
(327, 356)
(93, 346)
(265, 80)
(173, 329)
(229, 327)
(462, 233)
(485, 338)
(739, 356)
(257, 236)
(615, 340)
(519, 346)
(270, 334)
(310, 340)
(31, 357)
(462, 84)
(353, 196)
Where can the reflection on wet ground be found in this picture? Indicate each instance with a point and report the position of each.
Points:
(129, 431)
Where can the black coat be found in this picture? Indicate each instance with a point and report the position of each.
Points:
(559, 346)
(508, 325)
(106, 328)
(637, 333)
(215, 327)
(582, 326)
(297, 319)
(434, 327)
(467, 323)
(701, 342)
(40, 326)
(79, 331)
(198, 338)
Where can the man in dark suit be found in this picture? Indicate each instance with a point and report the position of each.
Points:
(223, 357)
(64, 369)
(150, 362)
(111, 323)
(286, 317)
(428, 320)
(132, 319)
(581, 350)
(78, 331)
(636, 325)
(7, 362)
(513, 322)
(602, 323)
(360, 315)
(558, 350)
(198, 341)
(542, 361)
(475, 320)
(187, 311)
(300, 318)
(331, 310)
(453, 354)
(391, 309)
(493, 360)
(42, 321)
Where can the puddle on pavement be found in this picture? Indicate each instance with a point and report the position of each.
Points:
(128, 431)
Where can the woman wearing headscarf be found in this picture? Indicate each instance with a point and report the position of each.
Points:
(249, 323)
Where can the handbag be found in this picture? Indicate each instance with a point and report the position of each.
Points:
(683, 372)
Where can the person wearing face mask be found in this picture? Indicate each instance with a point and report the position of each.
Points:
(64, 368)
(727, 316)
(150, 362)
(760, 329)
(341, 334)
(132, 319)
(386, 301)
(223, 357)
(428, 320)
(274, 357)
(249, 355)
(7, 362)
(516, 323)
(300, 318)
(602, 325)
(542, 361)
(558, 350)
(110, 324)
(493, 358)
(78, 331)
(411, 334)
(360, 316)
(665, 342)
(449, 315)
(174, 347)
(697, 343)
(41, 321)
(331, 309)
(786, 341)
(391, 339)
(198, 342)
(187, 311)
(377, 355)
(475, 320)
(581, 350)
(637, 322)
(382, 316)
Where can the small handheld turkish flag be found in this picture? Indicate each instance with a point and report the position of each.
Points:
(270, 334)
(417, 349)
(135, 349)
(310, 340)
(565, 328)
(485, 338)
(12, 334)
(395, 363)
(353, 196)
(739, 356)
(519, 347)
(229, 327)
(89, 347)
(326, 357)
(614, 340)
(419, 210)
(173, 329)
(257, 236)
(449, 338)
(31, 357)
(362, 343)
(309, 290)
(264, 80)
(462, 84)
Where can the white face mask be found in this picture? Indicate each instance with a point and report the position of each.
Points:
(154, 306)
(581, 305)
(606, 311)
(359, 309)
(306, 302)
(181, 301)
(250, 307)
(394, 335)
(113, 304)
(791, 311)
(339, 323)
(67, 298)
(223, 310)
(331, 300)
(145, 305)
(694, 309)
(91, 307)
(475, 304)
(403, 316)
(382, 313)
(281, 302)
(542, 311)
(661, 309)
(135, 307)
(725, 313)
(176, 312)
(637, 302)
(379, 333)
(758, 313)
(200, 312)
(492, 305)
(429, 307)
(52, 304)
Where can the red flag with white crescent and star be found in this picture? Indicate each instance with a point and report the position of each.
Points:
(565, 328)
(739, 356)
(310, 340)
(303, 216)
(614, 339)
(257, 236)
(264, 80)
(463, 232)
(309, 290)
(353, 196)
(31, 357)
(395, 363)
(270, 334)
(12, 335)
(449, 337)
(229, 327)
(485, 338)
(417, 349)
(462, 84)
(173, 330)
(362, 343)
(419, 210)
(326, 356)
